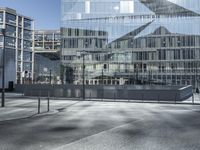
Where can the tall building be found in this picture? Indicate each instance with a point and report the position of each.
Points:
(18, 47)
(47, 56)
(131, 41)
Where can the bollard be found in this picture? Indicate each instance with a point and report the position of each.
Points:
(48, 102)
(90, 95)
(38, 105)
(193, 98)
(102, 94)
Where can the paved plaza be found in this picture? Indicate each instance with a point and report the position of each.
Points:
(95, 125)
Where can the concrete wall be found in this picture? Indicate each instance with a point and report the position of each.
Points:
(158, 93)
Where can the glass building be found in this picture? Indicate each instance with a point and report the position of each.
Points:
(47, 56)
(131, 42)
(18, 47)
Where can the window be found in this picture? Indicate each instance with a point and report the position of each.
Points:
(10, 42)
(27, 34)
(19, 44)
(87, 6)
(48, 45)
(27, 56)
(57, 45)
(27, 23)
(69, 32)
(126, 7)
(177, 54)
(67, 57)
(27, 66)
(38, 37)
(70, 43)
(20, 21)
(10, 30)
(19, 32)
(76, 32)
(27, 45)
(162, 54)
(19, 67)
(11, 19)
(1, 17)
(56, 37)
(48, 37)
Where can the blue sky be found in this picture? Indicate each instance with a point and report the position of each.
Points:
(46, 13)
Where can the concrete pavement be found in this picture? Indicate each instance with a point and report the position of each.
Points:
(19, 108)
(104, 126)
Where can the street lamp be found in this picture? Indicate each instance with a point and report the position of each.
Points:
(137, 73)
(3, 69)
(50, 76)
(83, 75)
(102, 73)
(82, 53)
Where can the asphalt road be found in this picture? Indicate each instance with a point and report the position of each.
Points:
(106, 126)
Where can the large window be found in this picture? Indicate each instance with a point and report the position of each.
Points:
(27, 56)
(38, 37)
(27, 66)
(48, 45)
(19, 32)
(11, 19)
(1, 17)
(162, 54)
(27, 23)
(27, 45)
(74, 7)
(20, 21)
(48, 37)
(39, 45)
(19, 56)
(27, 34)
(19, 44)
(87, 6)
(10, 42)
(10, 30)
(57, 37)
(126, 6)
(57, 45)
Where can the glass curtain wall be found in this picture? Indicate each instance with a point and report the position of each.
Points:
(131, 41)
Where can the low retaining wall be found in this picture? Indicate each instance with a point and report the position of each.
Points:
(126, 92)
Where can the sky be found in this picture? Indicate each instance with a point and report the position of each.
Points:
(46, 13)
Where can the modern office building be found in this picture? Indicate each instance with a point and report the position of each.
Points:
(47, 56)
(131, 41)
(18, 47)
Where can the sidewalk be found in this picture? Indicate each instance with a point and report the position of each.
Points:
(17, 109)
(24, 108)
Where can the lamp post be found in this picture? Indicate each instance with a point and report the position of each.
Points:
(50, 76)
(102, 74)
(102, 79)
(137, 74)
(3, 70)
(82, 53)
(83, 75)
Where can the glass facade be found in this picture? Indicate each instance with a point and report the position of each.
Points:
(47, 56)
(46, 40)
(18, 47)
(131, 41)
